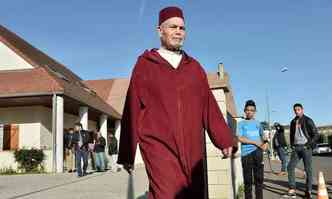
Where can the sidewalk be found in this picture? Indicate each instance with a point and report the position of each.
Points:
(275, 186)
(68, 186)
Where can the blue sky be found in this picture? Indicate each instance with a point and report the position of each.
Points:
(254, 40)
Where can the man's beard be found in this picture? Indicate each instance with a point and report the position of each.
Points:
(174, 45)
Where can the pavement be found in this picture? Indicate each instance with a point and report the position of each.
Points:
(67, 186)
(275, 186)
(118, 185)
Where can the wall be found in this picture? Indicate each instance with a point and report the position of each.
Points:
(35, 130)
(219, 170)
(9, 60)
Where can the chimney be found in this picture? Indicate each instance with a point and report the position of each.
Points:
(221, 71)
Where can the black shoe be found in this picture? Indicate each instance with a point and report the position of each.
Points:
(308, 195)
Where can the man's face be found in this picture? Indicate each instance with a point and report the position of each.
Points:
(172, 33)
(250, 112)
(77, 128)
(298, 111)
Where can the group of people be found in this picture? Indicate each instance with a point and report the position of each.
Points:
(303, 137)
(80, 145)
(169, 106)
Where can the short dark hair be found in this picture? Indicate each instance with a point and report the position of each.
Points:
(250, 103)
(297, 105)
(78, 124)
(71, 129)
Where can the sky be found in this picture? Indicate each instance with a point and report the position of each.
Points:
(253, 39)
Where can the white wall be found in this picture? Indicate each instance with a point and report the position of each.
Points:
(35, 130)
(9, 60)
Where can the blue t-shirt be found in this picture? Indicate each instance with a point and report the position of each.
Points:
(252, 130)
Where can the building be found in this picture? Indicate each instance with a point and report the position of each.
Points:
(40, 98)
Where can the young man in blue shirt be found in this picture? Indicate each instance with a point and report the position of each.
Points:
(250, 134)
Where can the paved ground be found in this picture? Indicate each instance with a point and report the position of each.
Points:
(67, 186)
(275, 186)
(115, 185)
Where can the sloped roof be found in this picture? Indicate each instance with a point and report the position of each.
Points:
(57, 76)
(115, 94)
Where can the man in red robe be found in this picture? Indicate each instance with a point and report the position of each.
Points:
(168, 107)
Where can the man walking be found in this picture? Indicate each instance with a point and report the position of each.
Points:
(280, 146)
(168, 106)
(81, 140)
(303, 138)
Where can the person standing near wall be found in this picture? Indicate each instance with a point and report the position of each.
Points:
(113, 152)
(81, 140)
(250, 134)
(99, 149)
(303, 138)
(69, 150)
(280, 146)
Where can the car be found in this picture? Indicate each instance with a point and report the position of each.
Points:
(322, 148)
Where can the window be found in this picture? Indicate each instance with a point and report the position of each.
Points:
(10, 136)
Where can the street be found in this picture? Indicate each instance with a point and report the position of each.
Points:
(275, 186)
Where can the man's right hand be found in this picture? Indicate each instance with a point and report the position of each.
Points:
(129, 168)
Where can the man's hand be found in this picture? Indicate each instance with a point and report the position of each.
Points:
(129, 168)
(264, 146)
(227, 152)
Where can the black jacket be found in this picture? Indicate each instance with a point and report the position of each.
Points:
(85, 139)
(113, 146)
(279, 137)
(308, 128)
(68, 140)
(100, 145)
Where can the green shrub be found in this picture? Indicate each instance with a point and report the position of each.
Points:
(30, 160)
(240, 192)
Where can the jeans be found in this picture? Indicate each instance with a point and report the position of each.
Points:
(253, 170)
(282, 153)
(114, 159)
(298, 153)
(100, 161)
(81, 154)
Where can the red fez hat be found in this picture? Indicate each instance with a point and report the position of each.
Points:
(169, 12)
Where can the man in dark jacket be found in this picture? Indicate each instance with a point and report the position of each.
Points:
(113, 152)
(303, 138)
(69, 150)
(280, 146)
(81, 140)
(100, 152)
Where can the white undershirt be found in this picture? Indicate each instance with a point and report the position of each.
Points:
(174, 58)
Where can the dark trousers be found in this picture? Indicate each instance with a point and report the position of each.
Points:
(298, 153)
(81, 154)
(253, 171)
(282, 153)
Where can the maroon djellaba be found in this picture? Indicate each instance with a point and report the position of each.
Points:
(166, 112)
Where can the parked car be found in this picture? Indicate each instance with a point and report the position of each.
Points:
(322, 148)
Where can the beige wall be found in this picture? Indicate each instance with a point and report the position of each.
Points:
(35, 130)
(9, 60)
(219, 170)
